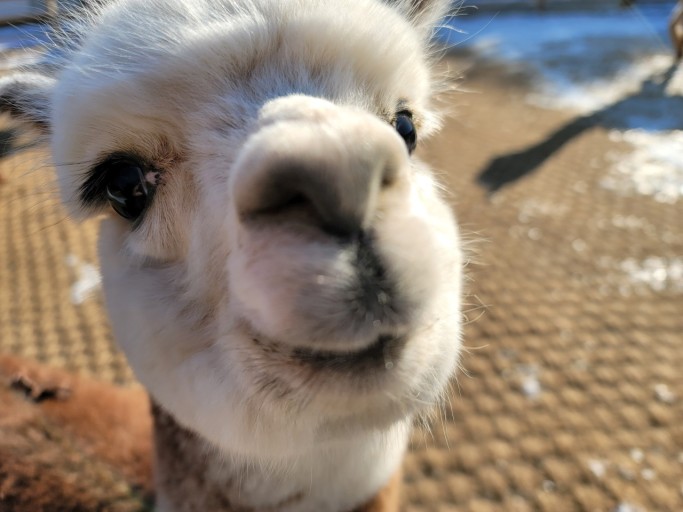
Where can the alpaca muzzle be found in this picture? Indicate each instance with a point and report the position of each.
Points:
(314, 163)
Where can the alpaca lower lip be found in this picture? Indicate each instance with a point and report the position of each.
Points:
(381, 352)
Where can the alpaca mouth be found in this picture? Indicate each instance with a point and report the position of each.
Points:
(380, 354)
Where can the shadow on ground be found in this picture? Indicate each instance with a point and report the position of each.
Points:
(649, 108)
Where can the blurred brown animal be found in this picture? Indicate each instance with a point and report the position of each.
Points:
(71, 443)
(676, 29)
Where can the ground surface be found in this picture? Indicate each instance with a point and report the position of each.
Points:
(572, 395)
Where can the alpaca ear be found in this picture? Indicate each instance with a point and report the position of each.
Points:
(423, 14)
(26, 97)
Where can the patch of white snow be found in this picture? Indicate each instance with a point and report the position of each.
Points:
(87, 282)
(617, 62)
(654, 167)
(664, 394)
(529, 382)
(628, 507)
(656, 272)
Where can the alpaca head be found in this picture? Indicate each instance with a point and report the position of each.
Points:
(278, 267)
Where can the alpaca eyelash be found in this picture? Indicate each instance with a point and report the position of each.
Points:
(93, 191)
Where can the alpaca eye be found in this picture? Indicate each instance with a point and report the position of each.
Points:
(406, 128)
(126, 189)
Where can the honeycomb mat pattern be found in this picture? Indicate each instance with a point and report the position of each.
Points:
(51, 307)
(571, 397)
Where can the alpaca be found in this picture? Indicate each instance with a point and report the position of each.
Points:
(279, 269)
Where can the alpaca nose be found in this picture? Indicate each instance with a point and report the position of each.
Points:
(327, 170)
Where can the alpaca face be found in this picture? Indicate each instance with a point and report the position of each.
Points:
(278, 268)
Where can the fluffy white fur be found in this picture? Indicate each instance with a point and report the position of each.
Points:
(211, 305)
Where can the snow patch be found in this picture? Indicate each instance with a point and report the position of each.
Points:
(597, 467)
(539, 208)
(637, 455)
(653, 168)
(616, 64)
(561, 93)
(648, 474)
(655, 272)
(628, 507)
(15, 60)
(87, 282)
(529, 383)
(584, 60)
(664, 394)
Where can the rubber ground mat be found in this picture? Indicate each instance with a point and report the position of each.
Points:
(51, 306)
(570, 396)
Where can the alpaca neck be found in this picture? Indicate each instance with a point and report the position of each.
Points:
(353, 475)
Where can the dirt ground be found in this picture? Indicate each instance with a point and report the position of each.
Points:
(571, 393)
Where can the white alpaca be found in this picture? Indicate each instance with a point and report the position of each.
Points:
(280, 271)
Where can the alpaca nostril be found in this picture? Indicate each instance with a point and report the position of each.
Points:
(314, 193)
(305, 193)
(281, 202)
